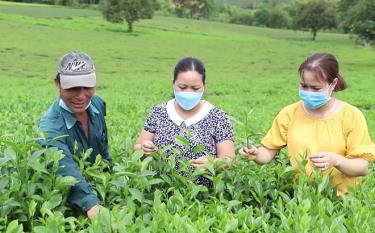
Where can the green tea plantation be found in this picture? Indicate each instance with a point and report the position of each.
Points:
(251, 74)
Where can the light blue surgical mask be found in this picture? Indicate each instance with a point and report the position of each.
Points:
(314, 100)
(64, 106)
(188, 100)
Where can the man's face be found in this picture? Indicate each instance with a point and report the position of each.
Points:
(76, 98)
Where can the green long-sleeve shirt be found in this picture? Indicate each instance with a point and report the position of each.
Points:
(58, 121)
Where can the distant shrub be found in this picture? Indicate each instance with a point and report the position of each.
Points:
(274, 18)
(75, 3)
(193, 9)
(166, 7)
(232, 14)
(358, 18)
(245, 18)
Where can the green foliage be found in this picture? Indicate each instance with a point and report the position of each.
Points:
(358, 18)
(30, 188)
(129, 11)
(345, 5)
(165, 6)
(315, 15)
(150, 195)
(237, 3)
(194, 9)
(61, 2)
(242, 17)
(344, 8)
(232, 14)
(274, 18)
(254, 4)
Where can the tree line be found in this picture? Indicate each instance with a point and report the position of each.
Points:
(356, 17)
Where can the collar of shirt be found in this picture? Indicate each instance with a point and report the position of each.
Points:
(69, 118)
(172, 113)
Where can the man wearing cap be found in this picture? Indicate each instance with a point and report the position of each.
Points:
(78, 113)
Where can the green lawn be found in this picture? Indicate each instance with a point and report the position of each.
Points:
(251, 74)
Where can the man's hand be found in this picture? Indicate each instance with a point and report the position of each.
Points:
(93, 211)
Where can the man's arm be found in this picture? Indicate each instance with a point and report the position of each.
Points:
(81, 194)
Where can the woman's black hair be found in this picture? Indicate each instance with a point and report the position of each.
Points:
(190, 64)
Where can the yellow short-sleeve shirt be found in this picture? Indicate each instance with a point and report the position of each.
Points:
(344, 133)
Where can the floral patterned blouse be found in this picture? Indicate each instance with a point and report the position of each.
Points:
(209, 127)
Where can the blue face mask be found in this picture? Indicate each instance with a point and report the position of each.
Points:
(64, 106)
(188, 100)
(314, 100)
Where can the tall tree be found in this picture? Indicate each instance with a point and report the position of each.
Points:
(315, 15)
(359, 19)
(344, 9)
(129, 11)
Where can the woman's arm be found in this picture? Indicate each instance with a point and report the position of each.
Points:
(145, 142)
(224, 150)
(261, 155)
(348, 166)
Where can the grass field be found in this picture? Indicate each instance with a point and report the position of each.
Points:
(251, 74)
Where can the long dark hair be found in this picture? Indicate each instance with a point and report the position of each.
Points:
(326, 68)
(190, 64)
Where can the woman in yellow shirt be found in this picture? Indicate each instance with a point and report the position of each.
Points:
(331, 132)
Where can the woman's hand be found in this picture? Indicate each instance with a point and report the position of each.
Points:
(199, 161)
(324, 160)
(219, 163)
(250, 152)
(349, 166)
(260, 155)
(148, 147)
